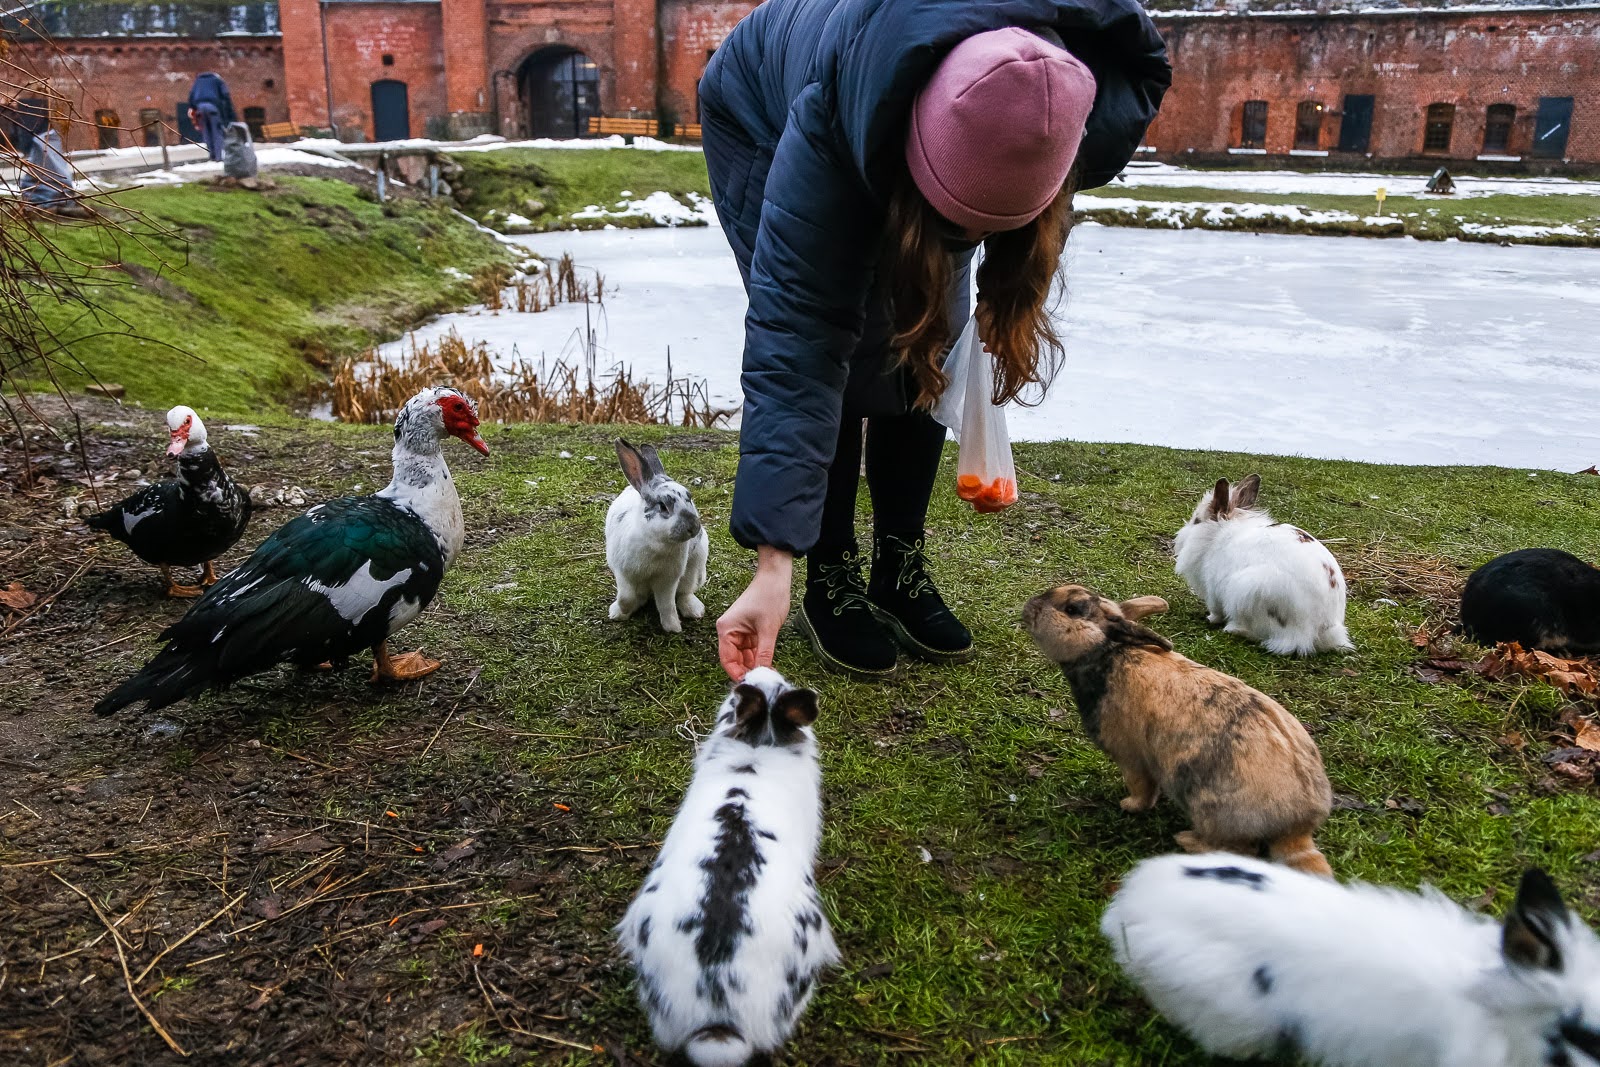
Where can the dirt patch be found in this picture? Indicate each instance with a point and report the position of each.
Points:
(301, 870)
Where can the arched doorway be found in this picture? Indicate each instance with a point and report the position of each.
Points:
(391, 111)
(560, 90)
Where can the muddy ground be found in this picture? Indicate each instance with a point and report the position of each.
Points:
(303, 874)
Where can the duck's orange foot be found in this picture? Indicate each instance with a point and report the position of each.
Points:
(186, 592)
(210, 577)
(405, 667)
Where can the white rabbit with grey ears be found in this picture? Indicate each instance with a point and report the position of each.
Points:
(656, 545)
(1254, 959)
(728, 934)
(1264, 580)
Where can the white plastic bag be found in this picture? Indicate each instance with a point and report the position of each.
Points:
(985, 475)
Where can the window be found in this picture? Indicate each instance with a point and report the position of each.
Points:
(1308, 126)
(1441, 123)
(150, 124)
(109, 128)
(1497, 129)
(388, 60)
(1253, 129)
(255, 118)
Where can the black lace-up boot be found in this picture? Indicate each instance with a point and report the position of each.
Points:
(835, 616)
(905, 600)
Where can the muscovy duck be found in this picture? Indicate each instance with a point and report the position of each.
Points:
(184, 523)
(344, 576)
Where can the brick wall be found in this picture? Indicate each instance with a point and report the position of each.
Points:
(520, 31)
(466, 63)
(1405, 61)
(371, 42)
(690, 31)
(133, 75)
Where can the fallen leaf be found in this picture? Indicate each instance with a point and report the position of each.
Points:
(1499, 807)
(1514, 741)
(1343, 802)
(268, 907)
(1575, 677)
(1406, 806)
(1452, 666)
(1573, 772)
(876, 970)
(432, 926)
(1586, 735)
(1589, 470)
(456, 853)
(477, 950)
(1421, 638)
(16, 598)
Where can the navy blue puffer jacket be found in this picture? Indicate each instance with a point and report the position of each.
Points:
(805, 108)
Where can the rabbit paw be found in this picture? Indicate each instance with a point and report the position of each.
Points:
(1191, 842)
(616, 611)
(1132, 803)
(691, 608)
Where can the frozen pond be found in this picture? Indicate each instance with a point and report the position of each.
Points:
(1393, 351)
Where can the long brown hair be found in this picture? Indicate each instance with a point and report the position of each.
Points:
(1015, 279)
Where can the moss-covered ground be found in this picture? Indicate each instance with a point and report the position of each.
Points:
(241, 299)
(563, 181)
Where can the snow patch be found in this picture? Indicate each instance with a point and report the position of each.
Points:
(1293, 183)
(663, 209)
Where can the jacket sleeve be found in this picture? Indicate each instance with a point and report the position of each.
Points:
(809, 278)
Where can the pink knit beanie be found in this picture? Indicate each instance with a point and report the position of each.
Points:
(997, 127)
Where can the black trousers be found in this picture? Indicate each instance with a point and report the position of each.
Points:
(902, 453)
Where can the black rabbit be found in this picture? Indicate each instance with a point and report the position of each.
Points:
(1539, 597)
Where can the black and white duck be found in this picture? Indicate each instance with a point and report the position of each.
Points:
(188, 522)
(344, 576)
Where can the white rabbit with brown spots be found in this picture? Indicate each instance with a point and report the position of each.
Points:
(728, 935)
(1264, 580)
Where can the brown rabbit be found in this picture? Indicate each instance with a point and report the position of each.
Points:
(1243, 768)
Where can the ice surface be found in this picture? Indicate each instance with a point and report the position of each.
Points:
(1396, 351)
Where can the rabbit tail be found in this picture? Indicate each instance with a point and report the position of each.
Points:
(719, 1045)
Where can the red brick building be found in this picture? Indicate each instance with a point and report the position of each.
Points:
(1517, 86)
(1501, 86)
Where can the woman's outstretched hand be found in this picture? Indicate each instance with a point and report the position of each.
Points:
(748, 631)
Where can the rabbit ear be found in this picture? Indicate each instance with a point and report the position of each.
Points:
(750, 704)
(652, 463)
(1140, 606)
(633, 464)
(1245, 493)
(1532, 933)
(1219, 499)
(797, 707)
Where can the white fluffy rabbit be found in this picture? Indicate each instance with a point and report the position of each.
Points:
(655, 544)
(1265, 580)
(728, 934)
(1254, 959)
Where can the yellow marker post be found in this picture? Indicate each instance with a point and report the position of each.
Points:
(1381, 194)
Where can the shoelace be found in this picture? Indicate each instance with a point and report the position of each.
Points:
(844, 582)
(913, 568)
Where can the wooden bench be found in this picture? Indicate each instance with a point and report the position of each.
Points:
(605, 126)
(689, 130)
(279, 131)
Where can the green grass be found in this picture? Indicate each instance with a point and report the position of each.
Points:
(566, 180)
(994, 946)
(227, 298)
(1427, 218)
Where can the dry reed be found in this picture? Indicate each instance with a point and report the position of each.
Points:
(372, 388)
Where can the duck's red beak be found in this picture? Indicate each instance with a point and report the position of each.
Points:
(180, 438)
(470, 436)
